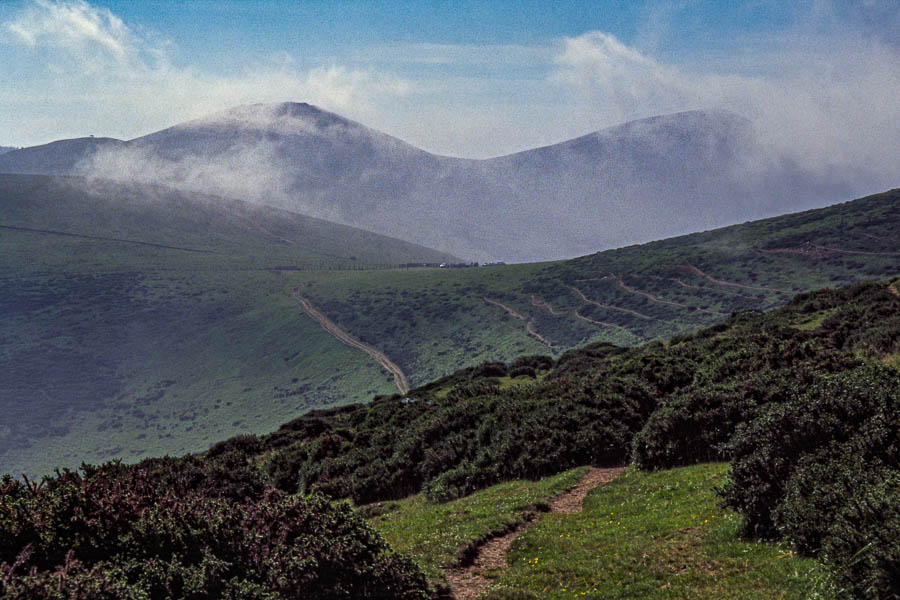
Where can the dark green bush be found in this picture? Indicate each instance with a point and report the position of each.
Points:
(535, 361)
(116, 533)
(522, 371)
(823, 470)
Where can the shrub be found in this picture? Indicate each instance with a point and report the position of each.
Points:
(535, 361)
(116, 533)
(822, 470)
(522, 371)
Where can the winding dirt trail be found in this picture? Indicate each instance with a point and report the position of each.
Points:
(345, 338)
(696, 287)
(529, 327)
(541, 303)
(578, 315)
(103, 239)
(696, 271)
(659, 300)
(811, 250)
(609, 306)
(467, 583)
(842, 251)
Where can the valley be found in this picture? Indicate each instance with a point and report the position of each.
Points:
(423, 300)
(131, 300)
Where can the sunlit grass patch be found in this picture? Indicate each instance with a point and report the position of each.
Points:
(659, 535)
(435, 534)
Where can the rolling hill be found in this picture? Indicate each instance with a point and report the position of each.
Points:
(492, 480)
(633, 183)
(141, 321)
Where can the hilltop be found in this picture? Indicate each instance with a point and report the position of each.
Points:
(700, 169)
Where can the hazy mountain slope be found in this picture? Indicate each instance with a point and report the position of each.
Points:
(55, 158)
(5, 149)
(138, 321)
(112, 348)
(431, 322)
(640, 181)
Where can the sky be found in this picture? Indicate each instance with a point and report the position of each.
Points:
(463, 78)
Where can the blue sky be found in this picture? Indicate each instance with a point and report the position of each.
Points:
(476, 78)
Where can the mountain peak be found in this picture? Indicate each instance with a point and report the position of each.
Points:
(283, 117)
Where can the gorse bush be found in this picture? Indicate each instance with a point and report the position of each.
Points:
(117, 533)
(660, 405)
(823, 470)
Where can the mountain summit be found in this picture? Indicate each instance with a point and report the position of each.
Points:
(635, 182)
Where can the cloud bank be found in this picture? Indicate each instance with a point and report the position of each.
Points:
(107, 72)
(821, 92)
(832, 109)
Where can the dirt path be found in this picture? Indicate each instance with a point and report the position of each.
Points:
(344, 337)
(893, 289)
(696, 287)
(103, 239)
(857, 251)
(540, 303)
(659, 300)
(467, 583)
(529, 327)
(609, 306)
(596, 322)
(812, 250)
(696, 271)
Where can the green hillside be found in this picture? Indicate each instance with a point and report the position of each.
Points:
(432, 322)
(140, 321)
(137, 321)
(801, 400)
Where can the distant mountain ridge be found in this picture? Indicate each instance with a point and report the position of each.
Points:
(632, 183)
(5, 149)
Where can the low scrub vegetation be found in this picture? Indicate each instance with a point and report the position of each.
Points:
(118, 532)
(799, 399)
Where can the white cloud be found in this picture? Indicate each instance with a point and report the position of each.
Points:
(75, 25)
(824, 104)
(824, 95)
(100, 71)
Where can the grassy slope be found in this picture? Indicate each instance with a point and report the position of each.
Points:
(114, 349)
(435, 534)
(659, 535)
(155, 350)
(431, 322)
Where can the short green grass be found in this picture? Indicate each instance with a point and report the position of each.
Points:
(652, 535)
(814, 320)
(433, 534)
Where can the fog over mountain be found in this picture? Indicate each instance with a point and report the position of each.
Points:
(5, 149)
(639, 181)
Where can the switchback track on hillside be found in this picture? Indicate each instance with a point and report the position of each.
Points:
(467, 583)
(654, 298)
(609, 306)
(529, 326)
(696, 271)
(345, 338)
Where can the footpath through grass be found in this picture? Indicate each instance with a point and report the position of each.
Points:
(434, 534)
(653, 535)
